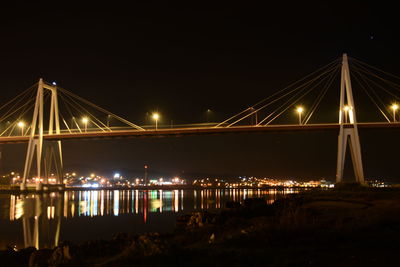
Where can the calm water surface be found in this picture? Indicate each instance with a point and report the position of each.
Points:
(44, 220)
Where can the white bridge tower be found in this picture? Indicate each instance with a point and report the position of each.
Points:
(53, 152)
(348, 128)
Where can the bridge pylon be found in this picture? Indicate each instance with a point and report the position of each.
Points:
(348, 133)
(52, 158)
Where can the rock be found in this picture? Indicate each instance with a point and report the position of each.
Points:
(254, 203)
(61, 255)
(253, 207)
(13, 257)
(40, 258)
(211, 239)
(232, 205)
(182, 221)
(196, 220)
(150, 244)
(26, 251)
(120, 237)
(141, 246)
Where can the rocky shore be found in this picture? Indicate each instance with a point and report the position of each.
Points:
(348, 226)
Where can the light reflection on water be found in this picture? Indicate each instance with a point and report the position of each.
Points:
(40, 218)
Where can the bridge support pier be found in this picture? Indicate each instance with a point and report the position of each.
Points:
(348, 133)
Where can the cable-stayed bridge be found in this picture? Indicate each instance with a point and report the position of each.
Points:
(197, 130)
(45, 114)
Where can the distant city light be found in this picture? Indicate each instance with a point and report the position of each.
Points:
(54, 83)
(117, 175)
(94, 185)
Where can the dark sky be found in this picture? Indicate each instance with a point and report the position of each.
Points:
(182, 59)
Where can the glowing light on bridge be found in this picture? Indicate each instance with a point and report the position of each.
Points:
(346, 112)
(156, 116)
(394, 107)
(85, 121)
(299, 111)
(21, 125)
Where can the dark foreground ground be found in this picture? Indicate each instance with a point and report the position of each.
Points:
(348, 226)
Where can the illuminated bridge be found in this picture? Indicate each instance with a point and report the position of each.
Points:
(69, 116)
(177, 132)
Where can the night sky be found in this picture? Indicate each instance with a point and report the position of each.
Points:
(182, 59)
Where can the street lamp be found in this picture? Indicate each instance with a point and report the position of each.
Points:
(108, 120)
(85, 121)
(395, 107)
(21, 125)
(253, 111)
(299, 110)
(156, 116)
(208, 113)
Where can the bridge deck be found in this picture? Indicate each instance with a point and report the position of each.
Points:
(176, 132)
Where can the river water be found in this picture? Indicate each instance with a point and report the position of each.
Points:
(44, 220)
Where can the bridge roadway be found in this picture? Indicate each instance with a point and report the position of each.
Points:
(176, 132)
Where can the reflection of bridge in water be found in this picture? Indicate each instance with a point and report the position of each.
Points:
(41, 218)
(41, 214)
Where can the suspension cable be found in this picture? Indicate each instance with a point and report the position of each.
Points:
(363, 63)
(321, 95)
(91, 115)
(277, 93)
(289, 101)
(300, 88)
(102, 109)
(370, 97)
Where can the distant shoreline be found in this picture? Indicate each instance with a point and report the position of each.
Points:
(18, 191)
